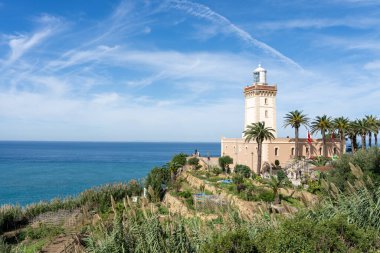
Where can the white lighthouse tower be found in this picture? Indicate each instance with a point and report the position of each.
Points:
(260, 101)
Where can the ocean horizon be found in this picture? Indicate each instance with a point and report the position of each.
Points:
(33, 171)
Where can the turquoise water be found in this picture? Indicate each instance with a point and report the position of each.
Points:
(34, 171)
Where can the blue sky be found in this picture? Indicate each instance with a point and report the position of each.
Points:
(174, 70)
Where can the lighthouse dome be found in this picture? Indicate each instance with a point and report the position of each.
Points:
(259, 69)
(260, 75)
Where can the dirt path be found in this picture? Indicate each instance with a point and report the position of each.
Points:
(61, 244)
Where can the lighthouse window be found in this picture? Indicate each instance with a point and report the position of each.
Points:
(256, 76)
(276, 151)
(266, 101)
(266, 114)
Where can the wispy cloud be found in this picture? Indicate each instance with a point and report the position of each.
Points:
(353, 22)
(349, 43)
(20, 43)
(202, 11)
(113, 79)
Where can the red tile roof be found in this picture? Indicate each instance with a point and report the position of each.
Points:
(259, 87)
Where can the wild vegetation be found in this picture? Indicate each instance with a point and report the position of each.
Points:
(345, 217)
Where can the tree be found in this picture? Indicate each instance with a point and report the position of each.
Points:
(178, 161)
(194, 162)
(362, 127)
(259, 133)
(296, 119)
(224, 162)
(158, 179)
(243, 170)
(372, 127)
(275, 184)
(342, 124)
(376, 131)
(352, 132)
(322, 124)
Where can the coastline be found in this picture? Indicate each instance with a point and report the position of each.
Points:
(40, 171)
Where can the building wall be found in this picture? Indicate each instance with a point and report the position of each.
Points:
(260, 107)
(246, 153)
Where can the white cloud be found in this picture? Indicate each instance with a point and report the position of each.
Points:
(104, 88)
(353, 22)
(373, 65)
(20, 44)
(202, 11)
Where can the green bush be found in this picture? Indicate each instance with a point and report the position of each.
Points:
(281, 175)
(243, 170)
(224, 162)
(236, 241)
(158, 179)
(185, 194)
(43, 231)
(194, 162)
(216, 170)
(265, 195)
(4, 247)
(10, 217)
(179, 160)
(367, 160)
(302, 234)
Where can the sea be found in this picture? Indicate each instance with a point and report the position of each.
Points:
(32, 171)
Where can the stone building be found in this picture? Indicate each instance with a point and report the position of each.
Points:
(260, 105)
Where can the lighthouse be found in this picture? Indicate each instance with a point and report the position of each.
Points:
(260, 101)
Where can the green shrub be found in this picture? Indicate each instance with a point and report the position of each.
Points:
(194, 162)
(265, 195)
(332, 235)
(163, 210)
(185, 194)
(236, 241)
(4, 247)
(281, 175)
(179, 160)
(10, 217)
(224, 162)
(216, 170)
(243, 170)
(158, 179)
(189, 203)
(43, 231)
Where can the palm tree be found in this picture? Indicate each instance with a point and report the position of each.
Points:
(362, 128)
(342, 125)
(322, 124)
(376, 131)
(275, 184)
(372, 122)
(259, 133)
(296, 119)
(352, 132)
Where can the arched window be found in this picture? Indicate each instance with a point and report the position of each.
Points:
(307, 151)
(266, 101)
(335, 152)
(276, 151)
(320, 151)
(266, 114)
(292, 152)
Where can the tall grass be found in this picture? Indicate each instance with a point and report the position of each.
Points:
(360, 203)
(97, 198)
